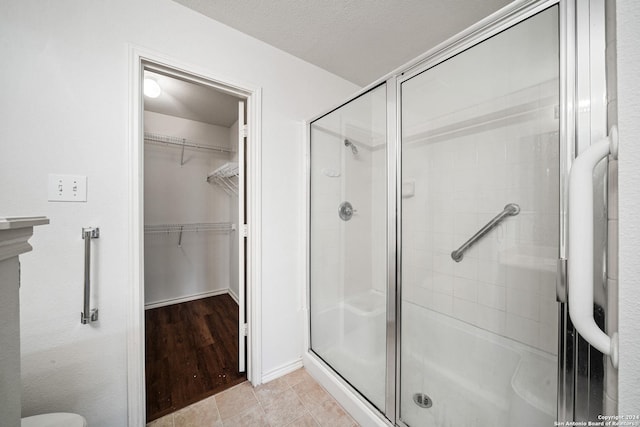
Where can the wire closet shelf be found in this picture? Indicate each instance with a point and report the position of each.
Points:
(226, 177)
(183, 143)
(223, 227)
(216, 227)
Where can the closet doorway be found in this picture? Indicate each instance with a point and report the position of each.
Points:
(194, 240)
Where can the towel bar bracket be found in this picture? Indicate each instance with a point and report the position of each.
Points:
(94, 233)
(92, 317)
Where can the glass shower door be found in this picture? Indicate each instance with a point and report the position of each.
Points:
(480, 227)
(348, 211)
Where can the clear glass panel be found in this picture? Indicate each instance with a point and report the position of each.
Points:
(480, 131)
(348, 242)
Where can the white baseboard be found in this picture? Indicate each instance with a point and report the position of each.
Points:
(233, 295)
(281, 370)
(188, 298)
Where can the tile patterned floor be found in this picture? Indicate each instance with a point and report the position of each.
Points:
(294, 400)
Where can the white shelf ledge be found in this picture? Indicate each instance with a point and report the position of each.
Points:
(15, 233)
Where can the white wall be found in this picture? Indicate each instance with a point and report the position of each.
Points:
(628, 54)
(65, 109)
(180, 194)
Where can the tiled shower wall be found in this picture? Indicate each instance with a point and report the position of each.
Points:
(325, 244)
(340, 250)
(506, 281)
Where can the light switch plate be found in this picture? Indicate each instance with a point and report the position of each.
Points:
(67, 188)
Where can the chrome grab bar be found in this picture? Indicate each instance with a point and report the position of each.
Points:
(88, 315)
(511, 209)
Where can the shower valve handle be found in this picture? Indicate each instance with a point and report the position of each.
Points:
(346, 211)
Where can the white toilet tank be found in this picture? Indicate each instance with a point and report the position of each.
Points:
(58, 419)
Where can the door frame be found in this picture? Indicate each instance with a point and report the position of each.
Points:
(139, 58)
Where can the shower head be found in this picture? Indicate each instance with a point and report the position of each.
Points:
(348, 143)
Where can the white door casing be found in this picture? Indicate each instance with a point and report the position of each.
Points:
(242, 237)
(139, 59)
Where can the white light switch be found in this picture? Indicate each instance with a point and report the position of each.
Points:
(67, 188)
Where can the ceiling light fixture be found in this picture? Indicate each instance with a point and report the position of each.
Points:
(151, 88)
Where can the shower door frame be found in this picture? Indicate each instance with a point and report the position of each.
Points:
(574, 34)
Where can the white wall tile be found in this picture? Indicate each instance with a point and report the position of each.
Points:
(548, 337)
(491, 272)
(465, 289)
(465, 224)
(467, 268)
(443, 283)
(547, 284)
(492, 296)
(443, 303)
(442, 263)
(423, 240)
(442, 242)
(548, 309)
(522, 279)
(523, 303)
(423, 297)
(491, 319)
(492, 152)
(425, 278)
(465, 310)
(522, 329)
(488, 249)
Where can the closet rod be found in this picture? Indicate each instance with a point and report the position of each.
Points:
(182, 142)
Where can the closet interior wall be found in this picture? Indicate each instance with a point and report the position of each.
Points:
(196, 264)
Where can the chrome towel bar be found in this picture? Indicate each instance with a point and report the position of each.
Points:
(511, 209)
(88, 315)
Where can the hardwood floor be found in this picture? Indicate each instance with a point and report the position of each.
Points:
(191, 353)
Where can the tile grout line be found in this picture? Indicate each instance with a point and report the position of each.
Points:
(289, 387)
(253, 390)
(306, 410)
(305, 406)
(217, 410)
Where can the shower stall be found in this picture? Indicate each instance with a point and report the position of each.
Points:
(437, 232)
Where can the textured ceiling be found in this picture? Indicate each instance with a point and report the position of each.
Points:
(359, 40)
